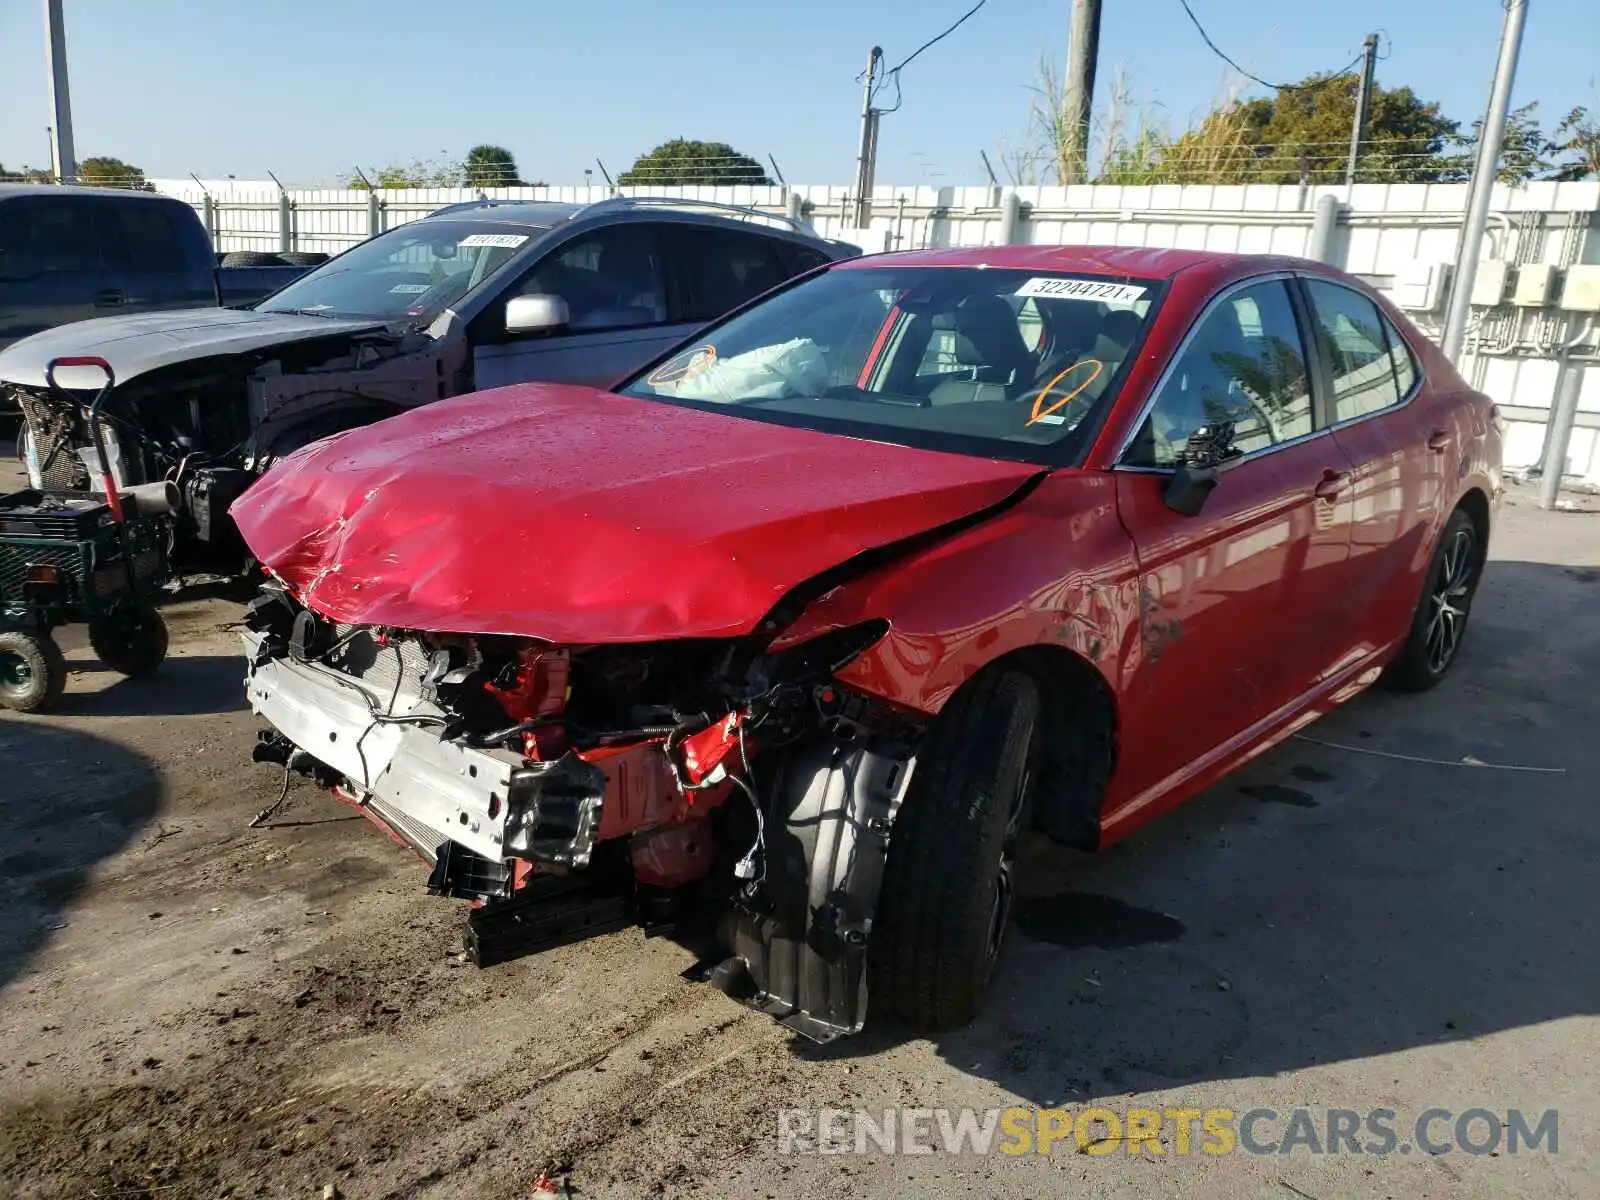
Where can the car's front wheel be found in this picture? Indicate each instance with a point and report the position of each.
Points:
(950, 877)
(1440, 621)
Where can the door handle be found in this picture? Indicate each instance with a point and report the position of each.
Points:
(110, 298)
(1331, 484)
(1440, 440)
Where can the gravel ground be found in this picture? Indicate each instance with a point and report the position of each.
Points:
(190, 1007)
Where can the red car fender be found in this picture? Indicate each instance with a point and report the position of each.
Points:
(1056, 570)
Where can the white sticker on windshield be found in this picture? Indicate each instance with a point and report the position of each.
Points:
(408, 289)
(1056, 288)
(509, 240)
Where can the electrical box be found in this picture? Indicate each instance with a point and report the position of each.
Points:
(1536, 285)
(1420, 286)
(1581, 292)
(1489, 287)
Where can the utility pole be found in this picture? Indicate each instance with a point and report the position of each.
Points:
(63, 161)
(867, 155)
(1083, 50)
(1369, 56)
(1480, 190)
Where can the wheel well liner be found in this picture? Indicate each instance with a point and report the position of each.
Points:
(1079, 725)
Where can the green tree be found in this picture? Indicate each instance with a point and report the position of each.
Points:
(682, 161)
(1523, 149)
(1303, 132)
(490, 166)
(24, 175)
(418, 173)
(111, 172)
(1577, 141)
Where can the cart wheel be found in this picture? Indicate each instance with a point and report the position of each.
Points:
(132, 643)
(32, 671)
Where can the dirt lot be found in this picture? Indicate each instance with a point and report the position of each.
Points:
(189, 1007)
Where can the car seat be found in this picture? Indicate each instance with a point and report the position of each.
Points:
(989, 341)
(626, 292)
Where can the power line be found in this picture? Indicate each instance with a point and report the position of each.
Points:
(893, 73)
(933, 41)
(1277, 87)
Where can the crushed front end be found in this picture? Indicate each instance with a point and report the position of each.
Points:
(570, 790)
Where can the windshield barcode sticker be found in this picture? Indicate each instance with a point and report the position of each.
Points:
(509, 240)
(1056, 288)
(408, 289)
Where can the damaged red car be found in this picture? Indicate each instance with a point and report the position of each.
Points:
(810, 622)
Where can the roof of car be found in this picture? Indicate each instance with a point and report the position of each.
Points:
(547, 214)
(1146, 263)
(10, 191)
(510, 212)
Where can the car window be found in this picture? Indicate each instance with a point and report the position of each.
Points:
(53, 235)
(719, 269)
(1244, 363)
(610, 278)
(1368, 360)
(411, 273)
(139, 237)
(1002, 362)
(804, 258)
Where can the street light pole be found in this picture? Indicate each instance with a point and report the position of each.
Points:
(63, 160)
(1481, 189)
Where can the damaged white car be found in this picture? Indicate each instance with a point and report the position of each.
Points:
(474, 296)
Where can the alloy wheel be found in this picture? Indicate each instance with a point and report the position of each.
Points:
(1449, 601)
(1005, 881)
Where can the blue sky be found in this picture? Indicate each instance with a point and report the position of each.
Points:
(307, 87)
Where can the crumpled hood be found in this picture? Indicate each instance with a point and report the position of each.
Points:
(144, 342)
(578, 516)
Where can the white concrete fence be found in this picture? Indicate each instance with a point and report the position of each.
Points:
(1536, 308)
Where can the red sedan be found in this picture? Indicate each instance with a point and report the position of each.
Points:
(811, 621)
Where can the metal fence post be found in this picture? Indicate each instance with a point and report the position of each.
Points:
(374, 214)
(1323, 225)
(794, 205)
(1563, 415)
(285, 222)
(1010, 217)
(208, 213)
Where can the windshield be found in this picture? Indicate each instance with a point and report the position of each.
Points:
(1008, 363)
(412, 273)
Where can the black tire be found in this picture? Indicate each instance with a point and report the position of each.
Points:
(33, 674)
(949, 879)
(251, 258)
(303, 258)
(131, 643)
(1440, 622)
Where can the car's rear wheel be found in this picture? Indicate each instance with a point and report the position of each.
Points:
(950, 877)
(1440, 622)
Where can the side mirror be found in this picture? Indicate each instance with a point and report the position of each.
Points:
(536, 314)
(1196, 473)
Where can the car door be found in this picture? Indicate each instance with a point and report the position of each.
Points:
(615, 287)
(1404, 450)
(1235, 598)
(50, 265)
(147, 266)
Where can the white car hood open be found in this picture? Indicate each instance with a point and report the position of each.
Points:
(143, 342)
